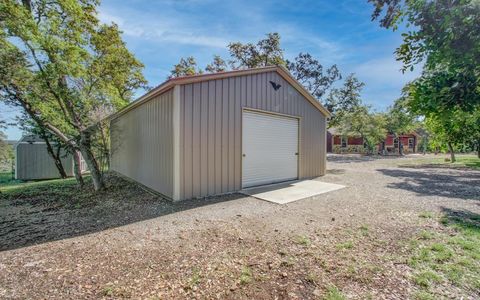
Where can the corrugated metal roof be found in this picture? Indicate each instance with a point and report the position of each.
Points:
(31, 139)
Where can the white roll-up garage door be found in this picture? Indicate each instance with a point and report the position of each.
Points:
(270, 149)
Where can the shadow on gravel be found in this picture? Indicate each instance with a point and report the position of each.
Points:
(50, 212)
(454, 184)
(336, 171)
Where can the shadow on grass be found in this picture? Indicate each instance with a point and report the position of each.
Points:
(451, 184)
(465, 167)
(464, 220)
(55, 210)
(463, 162)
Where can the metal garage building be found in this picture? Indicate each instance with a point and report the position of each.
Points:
(211, 134)
(32, 161)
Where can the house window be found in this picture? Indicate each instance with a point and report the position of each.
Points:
(410, 143)
(395, 142)
(344, 142)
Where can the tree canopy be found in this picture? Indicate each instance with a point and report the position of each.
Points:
(61, 65)
(361, 122)
(441, 31)
(6, 151)
(217, 65)
(186, 67)
(310, 73)
(267, 52)
(345, 99)
(445, 36)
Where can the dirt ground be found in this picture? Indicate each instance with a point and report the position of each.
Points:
(129, 244)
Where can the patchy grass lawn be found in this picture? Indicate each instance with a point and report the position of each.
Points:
(462, 161)
(10, 186)
(40, 211)
(447, 258)
(382, 238)
(51, 194)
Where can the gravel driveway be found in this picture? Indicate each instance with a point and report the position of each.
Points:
(243, 247)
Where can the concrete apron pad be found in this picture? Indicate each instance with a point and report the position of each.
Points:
(287, 192)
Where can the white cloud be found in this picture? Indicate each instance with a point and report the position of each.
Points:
(180, 37)
(385, 72)
(384, 80)
(161, 31)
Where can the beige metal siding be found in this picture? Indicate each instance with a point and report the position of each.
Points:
(142, 144)
(210, 130)
(34, 162)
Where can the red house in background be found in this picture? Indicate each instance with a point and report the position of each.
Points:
(337, 143)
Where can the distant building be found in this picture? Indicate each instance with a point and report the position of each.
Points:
(355, 144)
(33, 162)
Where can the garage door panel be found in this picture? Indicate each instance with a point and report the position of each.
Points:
(270, 144)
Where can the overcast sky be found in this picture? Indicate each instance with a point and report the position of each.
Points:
(339, 32)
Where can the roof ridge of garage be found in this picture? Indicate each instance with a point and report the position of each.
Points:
(170, 83)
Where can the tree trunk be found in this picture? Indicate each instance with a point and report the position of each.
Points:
(400, 151)
(77, 170)
(452, 154)
(56, 159)
(89, 158)
(478, 148)
(106, 153)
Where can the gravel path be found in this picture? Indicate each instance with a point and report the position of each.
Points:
(243, 247)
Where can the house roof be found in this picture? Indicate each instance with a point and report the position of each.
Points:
(32, 138)
(282, 71)
(336, 131)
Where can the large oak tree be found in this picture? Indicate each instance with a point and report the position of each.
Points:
(60, 64)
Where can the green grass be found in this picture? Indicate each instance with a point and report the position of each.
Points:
(462, 160)
(346, 245)
(426, 235)
(289, 262)
(425, 278)
(364, 230)
(423, 295)
(311, 278)
(9, 185)
(55, 193)
(246, 276)
(303, 240)
(31, 187)
(6, 179)
(450, 256)
(333, 293)
(195, 278)
(426, 215)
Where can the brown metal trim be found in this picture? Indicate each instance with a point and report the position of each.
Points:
(267, 112)
(147, 97)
